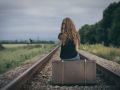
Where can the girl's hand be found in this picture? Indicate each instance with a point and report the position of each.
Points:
(77, 46)
(59, 36)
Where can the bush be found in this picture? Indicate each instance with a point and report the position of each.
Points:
(109, 53)
(1, 47)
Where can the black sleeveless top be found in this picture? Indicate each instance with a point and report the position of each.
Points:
(68, 51)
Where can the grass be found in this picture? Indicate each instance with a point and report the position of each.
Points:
(16, 54)
(109, 53)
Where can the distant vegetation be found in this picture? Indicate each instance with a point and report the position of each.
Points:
(16, 54)
(30, 41)
(109, 53)
(106, 31)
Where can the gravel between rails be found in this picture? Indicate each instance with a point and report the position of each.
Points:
(42, 81)
(13, 73)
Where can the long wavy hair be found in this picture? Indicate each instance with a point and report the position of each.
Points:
(68, 31)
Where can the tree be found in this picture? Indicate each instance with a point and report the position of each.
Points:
(106, 30)
(87, 34)
(114, 31)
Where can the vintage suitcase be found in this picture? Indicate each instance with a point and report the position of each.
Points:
(81, 72)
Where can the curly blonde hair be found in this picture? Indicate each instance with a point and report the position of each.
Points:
(68, 31)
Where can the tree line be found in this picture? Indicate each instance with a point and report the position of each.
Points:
(30, 41)
(106, 31)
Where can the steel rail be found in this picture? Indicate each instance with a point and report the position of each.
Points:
(104, 66)
(20, 81)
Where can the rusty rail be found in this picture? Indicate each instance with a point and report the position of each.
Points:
(106, 67)
(18, 82)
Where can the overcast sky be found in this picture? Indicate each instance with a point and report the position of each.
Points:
(41, 19)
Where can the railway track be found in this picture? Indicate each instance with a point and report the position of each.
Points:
(38, 77)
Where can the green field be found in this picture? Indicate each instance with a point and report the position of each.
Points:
(16, 54)
(109, 53)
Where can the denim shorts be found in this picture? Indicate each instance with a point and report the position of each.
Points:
(75, 58)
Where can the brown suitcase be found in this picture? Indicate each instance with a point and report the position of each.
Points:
(74, 72)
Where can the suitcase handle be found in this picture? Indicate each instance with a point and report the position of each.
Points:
(85, 71)
(62, 72)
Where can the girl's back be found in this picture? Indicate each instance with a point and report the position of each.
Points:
(68, 50)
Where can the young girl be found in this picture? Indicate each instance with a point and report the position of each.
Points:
(70, 41)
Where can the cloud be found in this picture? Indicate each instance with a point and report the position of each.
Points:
(18, 18)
